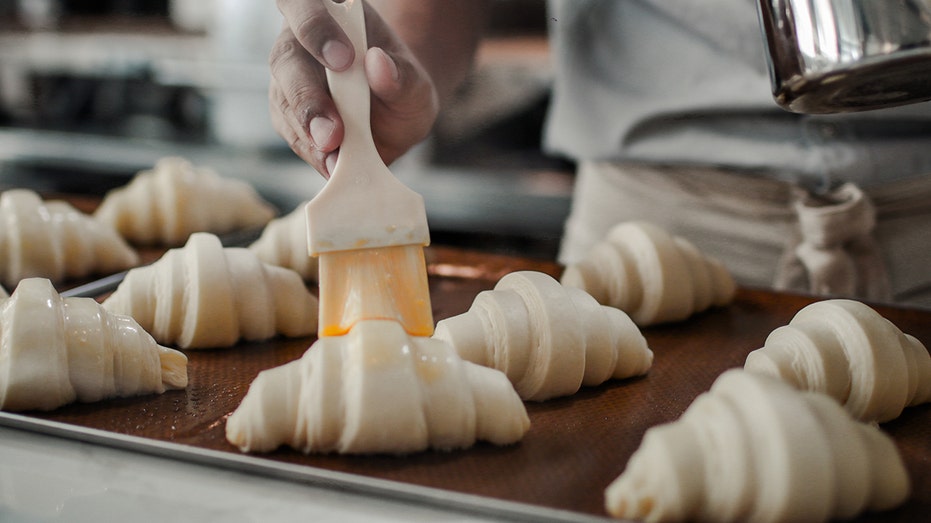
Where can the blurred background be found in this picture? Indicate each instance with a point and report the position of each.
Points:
(93, 92)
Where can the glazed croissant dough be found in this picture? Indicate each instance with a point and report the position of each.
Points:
(548, 339)
(847, 350)
(653, 276)
(284, 243)
(163, 206)
(56, 350)
(204, 295)
(755, 449)
(377, 390)
(51, 239)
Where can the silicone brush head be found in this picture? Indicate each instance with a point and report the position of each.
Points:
(375, 283)
(370, 264)
(367, 228)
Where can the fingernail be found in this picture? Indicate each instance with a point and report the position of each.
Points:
(321, 128)
(337, 55)
(388, 63)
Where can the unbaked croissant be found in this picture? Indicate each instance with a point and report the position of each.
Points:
(204, 295)
(755, 449)
(377, 390)
(847, 350)
(653, 276)
(284, 243)
(55, 350)
(51, 239)
(163, 206)
(548, 339)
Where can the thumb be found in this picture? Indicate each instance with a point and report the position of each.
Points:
(405, 103)
(382, 72)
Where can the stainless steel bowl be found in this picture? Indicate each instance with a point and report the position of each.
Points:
(830, 56)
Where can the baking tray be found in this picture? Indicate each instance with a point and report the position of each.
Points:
(575, 447)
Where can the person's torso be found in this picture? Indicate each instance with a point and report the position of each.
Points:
(671, 81)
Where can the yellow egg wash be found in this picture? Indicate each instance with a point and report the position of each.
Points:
(377, 283)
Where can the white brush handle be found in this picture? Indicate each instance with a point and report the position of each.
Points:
(363, 205)
(350, 88)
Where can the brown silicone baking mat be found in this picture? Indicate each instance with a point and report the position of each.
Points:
(575, 447)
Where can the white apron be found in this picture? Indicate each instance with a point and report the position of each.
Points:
(872, 244)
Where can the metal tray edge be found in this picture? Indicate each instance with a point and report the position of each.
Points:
(395, 490)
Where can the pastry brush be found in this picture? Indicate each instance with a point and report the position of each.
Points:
(367, 229)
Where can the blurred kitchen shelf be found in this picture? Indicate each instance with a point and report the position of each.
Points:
(110, 46)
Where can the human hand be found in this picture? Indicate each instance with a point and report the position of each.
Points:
(404, 98)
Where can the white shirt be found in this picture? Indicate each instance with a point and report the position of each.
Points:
(686, 82)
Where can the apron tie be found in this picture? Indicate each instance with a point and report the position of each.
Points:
(835, 252)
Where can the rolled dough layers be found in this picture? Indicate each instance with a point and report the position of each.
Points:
(51, 239)
(205, 296)
(651, 275)
(55, 350)
(164, 205)
(548, 339)
(845, 349)
(753, 448)
(377, 390)
(284, 243)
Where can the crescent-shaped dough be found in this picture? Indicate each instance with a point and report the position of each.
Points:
(284, 243)
(51, 239)
(847, 350)
(754, 448)
(163, 206)
(377, 390)
(548, 339)
(205, 296)
(55, 350)
(651, 275)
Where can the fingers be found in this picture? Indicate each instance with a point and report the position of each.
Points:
(318, 33)
(383, 74)
(301, 109)
(404, 104)
(399, 83)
